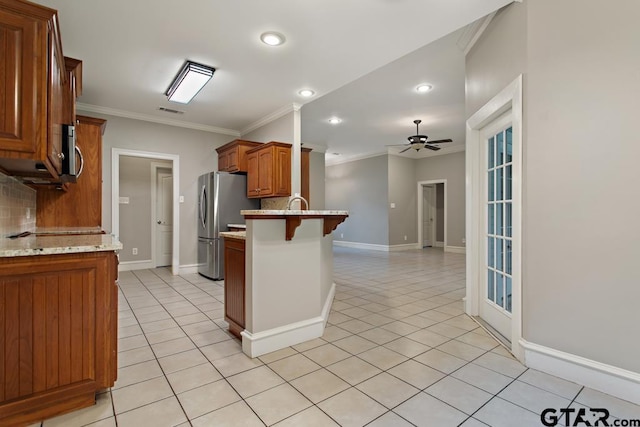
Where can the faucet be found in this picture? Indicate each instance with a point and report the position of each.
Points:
(296, 197)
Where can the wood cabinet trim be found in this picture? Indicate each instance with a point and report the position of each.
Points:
(292, 222)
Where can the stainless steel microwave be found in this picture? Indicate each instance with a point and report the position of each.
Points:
(72, 161)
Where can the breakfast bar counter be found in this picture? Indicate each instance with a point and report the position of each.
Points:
(288, 279)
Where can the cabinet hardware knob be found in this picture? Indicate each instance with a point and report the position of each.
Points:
(61, 156)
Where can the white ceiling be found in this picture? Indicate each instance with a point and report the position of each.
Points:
(131, 50)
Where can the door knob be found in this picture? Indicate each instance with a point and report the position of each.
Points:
(159, 222)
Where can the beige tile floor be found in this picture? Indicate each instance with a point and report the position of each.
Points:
(398, 351)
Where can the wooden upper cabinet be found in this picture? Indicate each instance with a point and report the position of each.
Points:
(32, 81)
(232, 157)
(269, 170)
(81, 204)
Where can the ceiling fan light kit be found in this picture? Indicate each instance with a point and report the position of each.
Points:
(417, 141)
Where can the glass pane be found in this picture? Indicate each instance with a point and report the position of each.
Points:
(499, 253)
(499, 290)
(500, 148)
(507, 184)
(490, 219)
(490, 186)
(507, 219)
(490, 284)
(491, 252)
(492, 160)
(508, 294)
(507, 260)
(509, 133)
(499, 221)
(499, 182)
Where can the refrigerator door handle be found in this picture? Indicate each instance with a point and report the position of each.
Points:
(203, 206)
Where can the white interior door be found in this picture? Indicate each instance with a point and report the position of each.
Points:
(164, 217)
(496, 284)
(428, 215)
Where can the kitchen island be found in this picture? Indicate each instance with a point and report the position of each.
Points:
(59, 305)
(288, 283)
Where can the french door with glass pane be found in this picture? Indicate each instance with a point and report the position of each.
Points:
(496, 298)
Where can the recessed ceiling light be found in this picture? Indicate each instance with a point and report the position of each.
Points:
(272, 38)
(424, 88)
(307, 93)
(335, 120)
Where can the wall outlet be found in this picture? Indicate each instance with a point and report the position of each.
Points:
(393, 205)
(464, 240)
(405, 237)
(342, 235)
(134, 251)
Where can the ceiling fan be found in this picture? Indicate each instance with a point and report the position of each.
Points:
(418, 141)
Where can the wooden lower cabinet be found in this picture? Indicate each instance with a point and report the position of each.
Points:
(58, 321)
(234, 285)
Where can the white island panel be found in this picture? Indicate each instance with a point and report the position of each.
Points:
(289, 284)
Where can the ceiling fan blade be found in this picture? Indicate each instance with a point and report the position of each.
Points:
(431, 147)
(396, 145)
(408, 148)
(438, 141)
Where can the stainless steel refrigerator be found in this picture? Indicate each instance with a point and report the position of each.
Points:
(221, 197)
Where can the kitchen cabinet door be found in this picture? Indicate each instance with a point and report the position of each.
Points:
(269, 170)
(59, 323)
(33, 80)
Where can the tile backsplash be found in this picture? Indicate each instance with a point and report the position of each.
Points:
(17, 206)
(275, 203)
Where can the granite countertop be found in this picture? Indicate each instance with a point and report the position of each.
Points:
(68, 230)
(58, 244)
(237, 235)
(292, 212)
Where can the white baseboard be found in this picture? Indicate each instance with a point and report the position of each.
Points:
(189, 269)
(357, 245)
(405, 247)
(372, 247)
(599, 376)
(456, 249)
(439, 245)
(254, 345)
(135, 265)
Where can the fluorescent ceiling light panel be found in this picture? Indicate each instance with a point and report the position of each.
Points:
(189, 81)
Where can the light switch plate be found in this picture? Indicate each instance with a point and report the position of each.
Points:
(123, 200)
(181, 199)
(393, 205)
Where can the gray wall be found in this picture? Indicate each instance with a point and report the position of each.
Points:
(316, 180)
(197, 156)
(135, 217)
(498, 58)
(580, 155)
(360, 187)
(452, 168)
(403, 191)
(278, 130)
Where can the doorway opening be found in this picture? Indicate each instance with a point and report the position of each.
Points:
(145, 190)
(432, 213)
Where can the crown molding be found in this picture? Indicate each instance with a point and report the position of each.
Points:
(473, 31)
(315, 148)
(353, 158)
(271, 117)
(147, 118)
